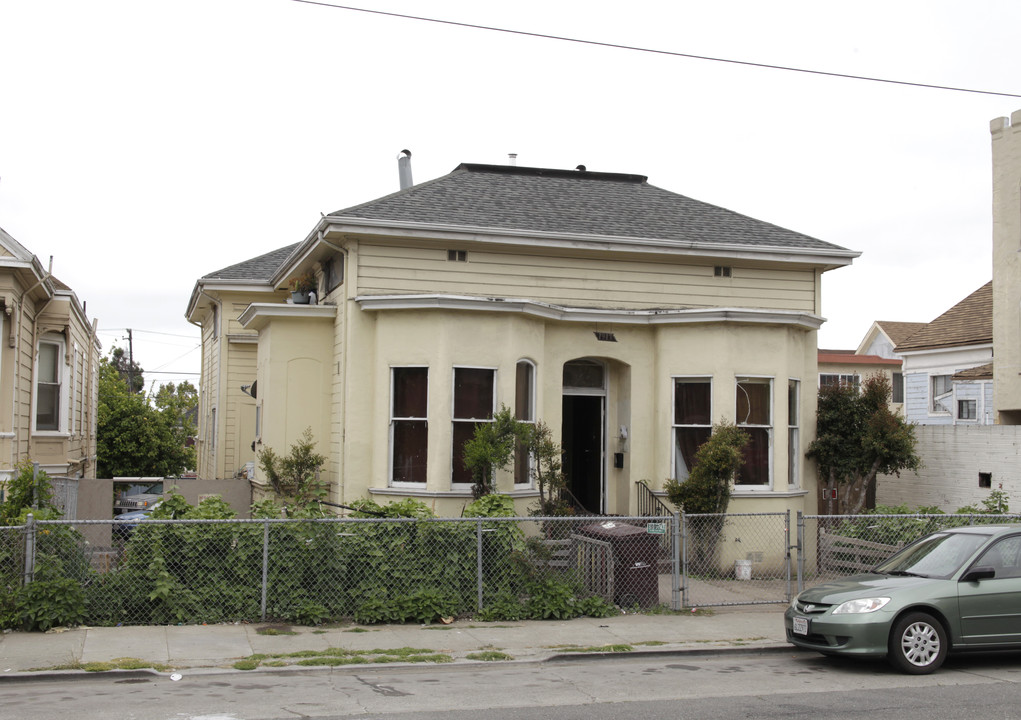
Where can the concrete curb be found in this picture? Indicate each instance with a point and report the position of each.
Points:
(555, 657)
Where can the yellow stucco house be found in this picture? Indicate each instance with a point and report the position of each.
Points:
(626, 317)
(49, 370)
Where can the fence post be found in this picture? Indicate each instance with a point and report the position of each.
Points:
(801, 551)
(675, 562)
(30, 531)
(478, 559)
(265, 565)
(684, 560)
(787, 532)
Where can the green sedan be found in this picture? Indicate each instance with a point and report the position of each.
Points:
(954, 590)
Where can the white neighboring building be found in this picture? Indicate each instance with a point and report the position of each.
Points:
(948, 377)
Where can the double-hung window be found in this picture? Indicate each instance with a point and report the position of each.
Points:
(409, 426)
(793, 441)
(48, 386)
(524, 412)
(692, 424)
(755, 417)
(941, 393)
(474, 398)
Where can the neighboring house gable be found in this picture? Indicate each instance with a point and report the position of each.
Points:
(620, 314)
(48, 369)
(959, 339)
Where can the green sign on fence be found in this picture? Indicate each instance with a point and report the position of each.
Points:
(656, 528)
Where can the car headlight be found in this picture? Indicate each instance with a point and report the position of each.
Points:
(864, 605)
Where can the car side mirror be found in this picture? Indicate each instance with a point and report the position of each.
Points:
(982, 572)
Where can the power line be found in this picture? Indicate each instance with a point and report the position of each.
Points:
(635, 48)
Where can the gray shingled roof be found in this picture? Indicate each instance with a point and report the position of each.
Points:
(258, 268)
(574, 202)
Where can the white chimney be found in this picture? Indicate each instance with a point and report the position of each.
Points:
(513, 159)
(404, 169)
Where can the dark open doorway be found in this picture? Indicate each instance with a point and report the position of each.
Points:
(582, 440)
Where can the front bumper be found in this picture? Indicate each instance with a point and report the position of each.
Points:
(858, 634)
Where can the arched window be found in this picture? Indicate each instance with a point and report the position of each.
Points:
(524, 411)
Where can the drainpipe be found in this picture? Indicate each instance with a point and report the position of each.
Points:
(342, 479)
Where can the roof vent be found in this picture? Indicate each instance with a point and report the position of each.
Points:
(512, 159)
(404, 169)
(581, 168)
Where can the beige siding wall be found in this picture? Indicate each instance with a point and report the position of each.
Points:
(580, 281)
(239, 420)
(208, 399)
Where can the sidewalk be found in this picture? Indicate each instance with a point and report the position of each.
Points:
(215, 648)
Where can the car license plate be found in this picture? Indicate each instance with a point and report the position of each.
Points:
(800, 625)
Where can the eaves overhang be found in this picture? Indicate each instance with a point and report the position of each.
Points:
(204, 285)
(338, 227)
(934, 350)
(257, 315)
(548, 311)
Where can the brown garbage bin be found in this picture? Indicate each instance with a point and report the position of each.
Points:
(636, 578)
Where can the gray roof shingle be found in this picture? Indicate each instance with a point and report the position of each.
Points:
(574, 202)
(257, 268)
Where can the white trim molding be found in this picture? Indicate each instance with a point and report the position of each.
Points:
(804, 320)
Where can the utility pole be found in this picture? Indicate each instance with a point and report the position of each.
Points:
(131, 364)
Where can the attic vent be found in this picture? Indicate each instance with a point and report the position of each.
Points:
(606, 337)
(722, 271)
(457, 255)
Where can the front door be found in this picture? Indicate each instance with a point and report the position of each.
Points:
(583, 450)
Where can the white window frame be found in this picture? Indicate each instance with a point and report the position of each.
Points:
(411, 418)
(793, 434)
(948, 395)
(843, 379)
(519, 455)
(961, 418)
(674, 426)
(57, 340)
(769, 428)
(454, 420)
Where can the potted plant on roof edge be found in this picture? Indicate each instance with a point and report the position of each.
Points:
(301, 286)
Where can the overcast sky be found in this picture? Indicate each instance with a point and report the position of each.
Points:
(144, 144)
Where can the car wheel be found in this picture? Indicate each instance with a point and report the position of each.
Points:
(918, 644)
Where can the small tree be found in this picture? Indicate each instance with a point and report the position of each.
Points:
(717, 460)
(295, 475)
(707, 490)
(491, 448)
(857, 438)
(547, 470)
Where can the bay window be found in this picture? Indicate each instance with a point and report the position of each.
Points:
(409, 427)
(755, 416)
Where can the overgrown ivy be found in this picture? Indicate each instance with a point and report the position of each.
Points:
(412, 568)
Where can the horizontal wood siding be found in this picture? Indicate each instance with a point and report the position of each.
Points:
(581, 281)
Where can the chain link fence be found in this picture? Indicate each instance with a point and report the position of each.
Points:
(418, 570)
(835, 546)
(398, 570)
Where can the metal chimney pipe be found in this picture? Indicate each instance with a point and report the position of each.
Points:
(404, 169)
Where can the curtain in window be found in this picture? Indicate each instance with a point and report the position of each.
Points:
(410, 428)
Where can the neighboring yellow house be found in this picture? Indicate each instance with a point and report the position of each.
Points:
(626, 317)
(49, 370)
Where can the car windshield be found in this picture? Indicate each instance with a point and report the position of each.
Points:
(939, 555)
